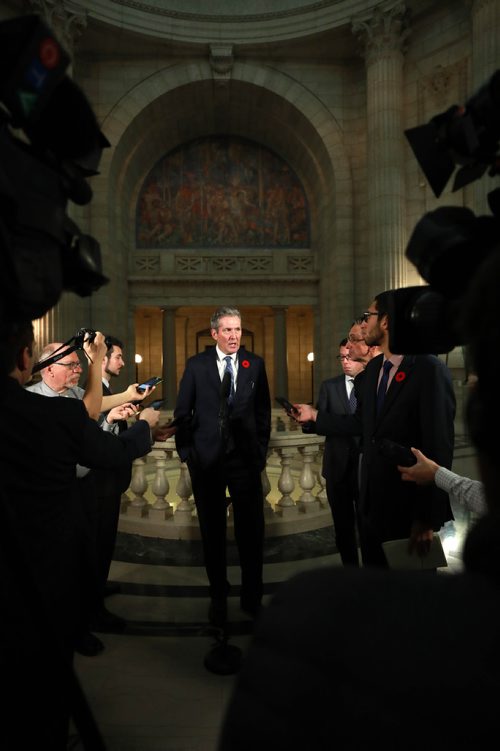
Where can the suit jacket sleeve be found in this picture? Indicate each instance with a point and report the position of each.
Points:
(101, 450)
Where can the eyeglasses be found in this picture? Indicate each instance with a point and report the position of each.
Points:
(366, 315)
(355, 340)
(69, 365)
(343, 357)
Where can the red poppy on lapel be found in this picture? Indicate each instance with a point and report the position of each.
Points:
(245, 364)
(400, 376)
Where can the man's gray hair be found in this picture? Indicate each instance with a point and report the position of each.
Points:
(220, 313)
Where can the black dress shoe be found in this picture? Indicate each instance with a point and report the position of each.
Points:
(88, 644)
(217, 612)
(108, 623)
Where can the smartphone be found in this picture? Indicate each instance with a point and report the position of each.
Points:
(157, 404)
(394, 452)
(150, 382)
(288, 406)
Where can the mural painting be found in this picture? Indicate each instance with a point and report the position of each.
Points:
(222, 192)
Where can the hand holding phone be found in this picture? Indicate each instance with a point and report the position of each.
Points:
(157, 404)
(287, 406)
(154, 381)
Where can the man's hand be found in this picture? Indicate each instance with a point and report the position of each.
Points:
(304, 413)
(123, 412)
(423, 472)
(95, 350)
(420, 538)
(134, 395)
(164, 432)
(152, 416)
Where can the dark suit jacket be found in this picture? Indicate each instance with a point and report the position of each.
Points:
(418, 410)
(42, 440)
(112, 482)
(339, 449)
(366, 659)
(199, 400)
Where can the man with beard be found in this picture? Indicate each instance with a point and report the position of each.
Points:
(406, 400)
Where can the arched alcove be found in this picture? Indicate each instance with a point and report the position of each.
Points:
(184, 102)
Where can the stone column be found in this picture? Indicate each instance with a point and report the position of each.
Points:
(280, 352)
(383, 33)
(169, 368)
(485, 17)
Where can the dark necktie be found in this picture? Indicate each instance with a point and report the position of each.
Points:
(382, 388)
(352, 398)
(229, 369)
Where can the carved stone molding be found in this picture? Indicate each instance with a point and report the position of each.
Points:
(384, 31)
(221, 61)
(199, 265)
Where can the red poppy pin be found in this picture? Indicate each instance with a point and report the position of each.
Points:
(400, 376)
(245, 364)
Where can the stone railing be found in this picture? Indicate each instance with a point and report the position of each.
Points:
(292, 487)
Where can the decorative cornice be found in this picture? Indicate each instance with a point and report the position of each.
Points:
(171, 19)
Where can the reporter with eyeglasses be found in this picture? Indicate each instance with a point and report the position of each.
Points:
(404, 400)
(60, 379)
(340, 457)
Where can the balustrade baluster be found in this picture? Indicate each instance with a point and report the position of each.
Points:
(286, 484)
(184, 512)
(161, 508)
(138, 506)
(307, 502)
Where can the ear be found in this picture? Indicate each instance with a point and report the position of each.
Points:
(384, 322)
(213, 333)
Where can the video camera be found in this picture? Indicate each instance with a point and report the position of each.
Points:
(74, 343)
(448, 245)
(43, 252)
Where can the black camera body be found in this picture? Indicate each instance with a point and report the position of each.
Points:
(83, 334)
(449, 244)
(42, 251)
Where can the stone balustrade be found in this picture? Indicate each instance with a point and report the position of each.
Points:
(159, 500)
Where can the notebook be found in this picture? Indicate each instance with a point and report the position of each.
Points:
(398, 557)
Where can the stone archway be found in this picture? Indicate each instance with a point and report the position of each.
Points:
(258, 102)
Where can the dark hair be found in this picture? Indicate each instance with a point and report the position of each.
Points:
(343, 343)
(220, 313)
(14, 339)
(112, 341)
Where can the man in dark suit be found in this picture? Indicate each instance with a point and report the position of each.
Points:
(340, 457)
(42, 442)
(109, 487)
(372, 657)
(225, 409)
(407, 400)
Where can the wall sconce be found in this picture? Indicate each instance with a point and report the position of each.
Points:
(138, 360)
